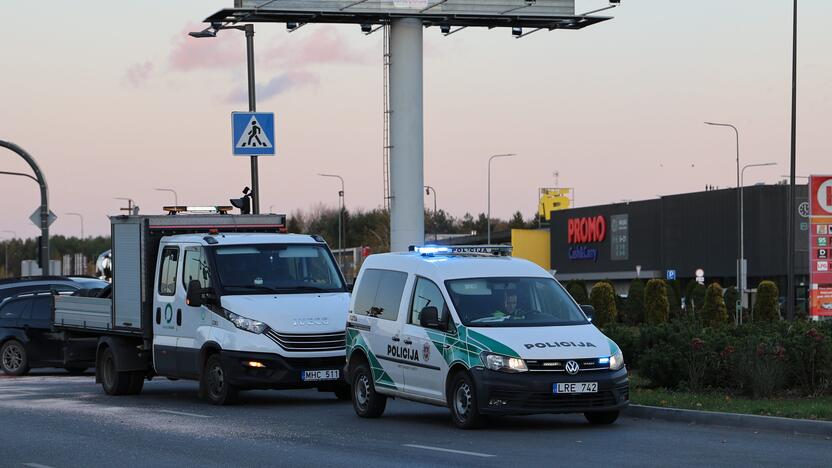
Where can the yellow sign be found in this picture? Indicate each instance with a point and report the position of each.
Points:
(553, 199)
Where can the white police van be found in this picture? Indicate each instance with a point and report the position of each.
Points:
(471, 328)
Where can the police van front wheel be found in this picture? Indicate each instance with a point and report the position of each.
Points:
(601, 417)
(463, 402)
(366, 401)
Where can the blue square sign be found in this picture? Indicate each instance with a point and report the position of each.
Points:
(252, 133)
(670, 275)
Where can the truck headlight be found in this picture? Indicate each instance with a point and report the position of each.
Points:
(617, 360)
(244, 323)
(498, 362)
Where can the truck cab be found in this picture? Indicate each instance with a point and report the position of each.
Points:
(223, 300)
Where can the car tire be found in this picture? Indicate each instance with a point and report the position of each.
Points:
(13, 358)
(214, 382)
(343, 392)
(601, 417)
(113, 382)
(462, 400)
(76, 370)
(365, 400)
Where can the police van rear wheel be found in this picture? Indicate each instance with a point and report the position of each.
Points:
(601, 417)
(463, 402)
(365, 400)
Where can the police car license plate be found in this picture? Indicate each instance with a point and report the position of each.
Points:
(314, 375)
(575, 387)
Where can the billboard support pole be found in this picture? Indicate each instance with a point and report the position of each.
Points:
(407, 214)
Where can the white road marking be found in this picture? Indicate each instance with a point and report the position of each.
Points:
(440, 449)
(182, 413)
(36, 465)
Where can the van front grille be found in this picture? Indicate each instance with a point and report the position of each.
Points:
(308, 342)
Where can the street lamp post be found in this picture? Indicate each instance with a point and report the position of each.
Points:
(6, 268)
(212, 31)
(737, 307)
(428, 190)
(340, 215)
(175, 195)
(741, 288)
(489, 189)
(793, 168)
(81, 217)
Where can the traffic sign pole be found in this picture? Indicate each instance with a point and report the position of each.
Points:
(252, 107)
(43, 255)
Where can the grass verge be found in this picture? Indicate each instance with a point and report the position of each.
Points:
(819, 408)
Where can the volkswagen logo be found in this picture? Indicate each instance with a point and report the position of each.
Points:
(572, 367)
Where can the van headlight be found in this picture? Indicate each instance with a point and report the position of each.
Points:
(617, 360)
(244, 323)
(498, 362)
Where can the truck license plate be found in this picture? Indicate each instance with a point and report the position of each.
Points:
(575, 387)
(315, 375)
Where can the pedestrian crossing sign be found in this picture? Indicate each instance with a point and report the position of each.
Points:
(252, 133)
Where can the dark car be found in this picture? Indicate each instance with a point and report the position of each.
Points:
(27, 339)
(61, 284)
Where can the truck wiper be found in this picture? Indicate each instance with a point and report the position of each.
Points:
(257, 287)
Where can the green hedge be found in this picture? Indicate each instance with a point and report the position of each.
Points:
(602, 298)
(761, 359)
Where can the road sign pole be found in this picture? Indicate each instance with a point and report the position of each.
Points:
(252, 107)
(43, 255)
(407, 212)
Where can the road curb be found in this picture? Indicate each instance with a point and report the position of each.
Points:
(743, 421)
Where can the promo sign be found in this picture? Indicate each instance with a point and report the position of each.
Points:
(820, 241)
(584, 231)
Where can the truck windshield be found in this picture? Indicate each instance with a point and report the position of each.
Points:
(513, 302)
(276, 268)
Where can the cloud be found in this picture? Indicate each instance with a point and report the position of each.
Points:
(324, 45)
(138, 73)
(275, 86)
(191, 53)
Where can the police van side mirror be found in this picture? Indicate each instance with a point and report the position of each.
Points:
(589, 311)
(194, 296)
(429, 317)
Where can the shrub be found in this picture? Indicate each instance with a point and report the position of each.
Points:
(656, 303)
(731, 297)
(628, 339)
(674, 297)
(810, 358)
(766, 307)
(714, 313)
(764, 367)
(602, 298)
(634, 313)
(695, 299)
(577, 289)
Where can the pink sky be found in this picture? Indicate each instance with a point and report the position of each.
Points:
(114, 100)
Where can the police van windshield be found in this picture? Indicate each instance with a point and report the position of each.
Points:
(276, 268)
(513, 302)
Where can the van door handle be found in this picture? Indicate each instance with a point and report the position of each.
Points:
(396, 338)
(158, 315)
(407, 341)
(178, 317)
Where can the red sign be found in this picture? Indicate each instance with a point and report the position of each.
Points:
(820, 192)
(820, 243)
(586, 230)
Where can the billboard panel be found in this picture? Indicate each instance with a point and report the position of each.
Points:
(820, 242)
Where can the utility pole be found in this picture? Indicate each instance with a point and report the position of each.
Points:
(793, 166)
(43, 254)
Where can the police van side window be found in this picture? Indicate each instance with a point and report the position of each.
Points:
(167, 271)
(380, 294)
(426, 294)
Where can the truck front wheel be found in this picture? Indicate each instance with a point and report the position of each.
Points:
(115, 382)
(214, 382)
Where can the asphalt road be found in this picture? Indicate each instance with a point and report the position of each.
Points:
(54, 420)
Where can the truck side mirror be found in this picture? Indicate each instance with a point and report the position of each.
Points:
(429, 317)
(194, 295)
(589, 311)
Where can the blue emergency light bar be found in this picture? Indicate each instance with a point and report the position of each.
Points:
(474, 250)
